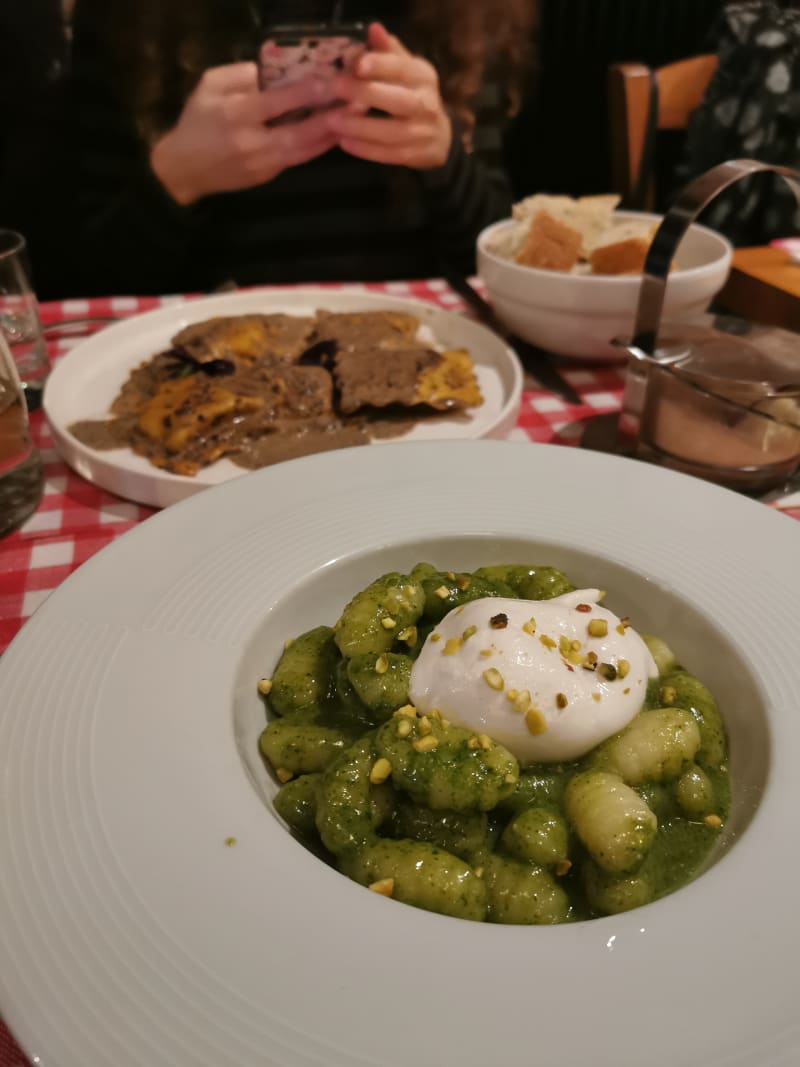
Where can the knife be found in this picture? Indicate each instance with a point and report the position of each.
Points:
(536, 360)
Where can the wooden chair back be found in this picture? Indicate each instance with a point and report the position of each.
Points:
(642, 101)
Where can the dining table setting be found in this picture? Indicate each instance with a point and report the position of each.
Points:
(75, 518)
(147, 919)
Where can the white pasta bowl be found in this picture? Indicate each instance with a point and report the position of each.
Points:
(580, 315)
(155, 909)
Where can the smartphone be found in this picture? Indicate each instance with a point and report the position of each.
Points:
(293, 52)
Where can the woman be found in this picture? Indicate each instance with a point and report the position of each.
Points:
(186, 181)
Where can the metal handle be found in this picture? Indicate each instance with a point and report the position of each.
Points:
(696, 196)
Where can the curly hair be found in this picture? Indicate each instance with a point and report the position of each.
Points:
(160, 50)
(488, 33)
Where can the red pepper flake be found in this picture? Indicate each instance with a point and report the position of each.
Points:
(499, 622)
(583, 607)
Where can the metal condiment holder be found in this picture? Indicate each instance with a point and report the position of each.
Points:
(643, 348)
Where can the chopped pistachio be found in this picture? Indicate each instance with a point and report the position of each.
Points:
(535, 721)
(493, 678)
(407, 709)
(425, 744)
(384, 887)
(523, 702)
(381, 770)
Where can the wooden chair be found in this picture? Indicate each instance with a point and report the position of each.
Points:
(641, 102)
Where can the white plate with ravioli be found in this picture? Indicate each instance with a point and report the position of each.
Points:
(155, 909)
(85, 382)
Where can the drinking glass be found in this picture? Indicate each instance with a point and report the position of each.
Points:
(21, 477)
(19, 317)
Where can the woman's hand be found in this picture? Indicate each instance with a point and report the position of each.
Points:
(221, 143)
(416, 131)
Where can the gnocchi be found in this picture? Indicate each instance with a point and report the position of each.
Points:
(441, 817)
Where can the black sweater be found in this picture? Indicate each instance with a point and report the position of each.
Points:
(334, 218)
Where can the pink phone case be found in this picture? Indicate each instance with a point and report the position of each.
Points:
(291, 54)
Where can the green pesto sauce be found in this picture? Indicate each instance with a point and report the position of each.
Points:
(435, 828)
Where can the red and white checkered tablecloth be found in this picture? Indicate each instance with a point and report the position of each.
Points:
(75, 519)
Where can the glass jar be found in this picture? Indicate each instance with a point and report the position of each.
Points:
(21, 475)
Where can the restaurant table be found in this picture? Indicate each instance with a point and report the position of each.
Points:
(764, 286)
(75, 519)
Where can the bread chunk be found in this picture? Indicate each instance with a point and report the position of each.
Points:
(622, 257)
(591, 216)
(550, 244)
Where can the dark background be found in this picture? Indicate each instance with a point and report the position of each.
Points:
(559, 142)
